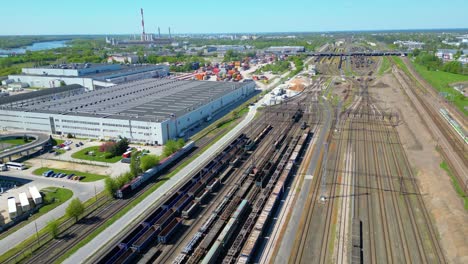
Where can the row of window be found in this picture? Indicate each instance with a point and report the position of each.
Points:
(79, 122)
(82, 128)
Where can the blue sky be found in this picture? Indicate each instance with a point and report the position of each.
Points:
(36, 17)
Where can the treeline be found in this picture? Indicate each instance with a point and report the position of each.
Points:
(298, 62)
(433, 63)
(277, 67)
(139, 164)
(11, 42)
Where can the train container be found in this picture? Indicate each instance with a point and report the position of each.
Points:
(182, 202)
(181, 258)
(196, 189)
(242, 260)
(225, 174)
(213, 253)
(207, 223)
(249, 247)
(171, 228)
(127, 257)
(187, 186)
(135, 234)
(262, 220)
(172, 200)
(145, 239)
(212, 235)
(135, 183)
(230, 208)
(192, 243)
(214, 183)
(165, 219)
(124, 191)
(227, 231)
(202, 197)
(189, 209)
(154, 216)
(112, 255)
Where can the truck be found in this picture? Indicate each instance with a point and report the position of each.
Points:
(127, 154)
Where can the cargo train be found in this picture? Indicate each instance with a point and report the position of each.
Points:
(135, 183)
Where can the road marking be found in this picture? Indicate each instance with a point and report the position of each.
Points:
(309, 177)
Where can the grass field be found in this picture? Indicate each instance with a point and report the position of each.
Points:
(440, 81)
(88, 177)
(456, 184)
(53, 197)
(99, 156)
(12, 142)
(385, 66)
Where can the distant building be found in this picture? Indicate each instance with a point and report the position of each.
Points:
(285, 49)
(446, 54)
(87, 75)
(123, 58)
(224, 48)
(409, 44)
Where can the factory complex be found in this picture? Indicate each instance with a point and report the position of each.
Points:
(86, 74)
(146, 111)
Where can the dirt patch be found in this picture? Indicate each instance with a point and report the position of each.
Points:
(56, 164)
(440, 198)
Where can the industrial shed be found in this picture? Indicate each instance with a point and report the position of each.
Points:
(146, 111)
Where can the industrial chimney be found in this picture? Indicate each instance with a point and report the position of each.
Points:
(143, 35)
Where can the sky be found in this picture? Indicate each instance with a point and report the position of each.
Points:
(40, 17)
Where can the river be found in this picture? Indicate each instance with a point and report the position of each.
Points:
(36, 46)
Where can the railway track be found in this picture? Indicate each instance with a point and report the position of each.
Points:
(388, 219)
(84, 227)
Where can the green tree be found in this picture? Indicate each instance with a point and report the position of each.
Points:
(149, 161)
(180, 143)
(110, 186)
(169, 148)
(53, 228)
(25, 138)
(135, 164)
(75, 209)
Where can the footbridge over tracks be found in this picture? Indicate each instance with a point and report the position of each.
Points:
(358, 53)
(40, 140)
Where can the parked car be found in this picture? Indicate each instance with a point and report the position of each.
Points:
(70, 176)
(77, 145)
(81, 143)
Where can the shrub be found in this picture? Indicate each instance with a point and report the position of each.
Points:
(108, 156)
(107, 147)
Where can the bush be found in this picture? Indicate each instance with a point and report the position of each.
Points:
(69, 135)
(107, 146)
(108, 156)
(110, 186)
(53, 228)
(75, 208)
(148, 161)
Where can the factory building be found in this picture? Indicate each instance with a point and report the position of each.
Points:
(285, 49)
(146, 111)
(87, 75)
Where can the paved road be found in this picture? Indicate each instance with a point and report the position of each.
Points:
(83, 191)
(287, 243)
(41, 139)
(131, 216)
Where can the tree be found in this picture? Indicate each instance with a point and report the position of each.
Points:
(120, 147)
(75, 209)
(110, 186)
(135, 164)
(148, 161)
(453, 67)
(53, 228)
(169, 148)
(25, 138)
(69, 135)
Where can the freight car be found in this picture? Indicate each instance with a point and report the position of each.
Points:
(163, 164)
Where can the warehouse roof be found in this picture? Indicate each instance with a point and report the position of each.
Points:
(147, 100)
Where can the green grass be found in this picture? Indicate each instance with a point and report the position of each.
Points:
(54, 197)
(456, 184)
(59, 196)
(56, 142)
(99, 156)
(384, 67)
(88, 177)
(401, 65)
(441, 82)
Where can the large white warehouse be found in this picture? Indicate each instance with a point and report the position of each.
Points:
(147, 111)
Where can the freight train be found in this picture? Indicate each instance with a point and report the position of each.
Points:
(135, 183)
(162, 223)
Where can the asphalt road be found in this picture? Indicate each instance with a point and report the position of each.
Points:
(287, 243)
(41, 139)
(83, 191)
(134, 214)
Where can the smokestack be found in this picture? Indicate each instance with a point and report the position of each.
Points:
(159, 32)
(142, 25)
(169, 32)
